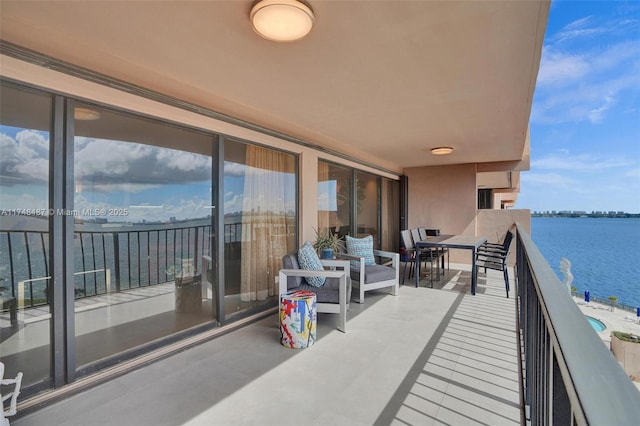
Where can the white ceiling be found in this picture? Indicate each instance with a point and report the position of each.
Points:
(386, 80)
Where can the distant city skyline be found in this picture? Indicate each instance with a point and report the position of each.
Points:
(582, 213)
(585, 119)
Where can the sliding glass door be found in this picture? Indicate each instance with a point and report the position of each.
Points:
(357, 203)
(260, 225)
(368, 206)
(143, 217)
(25, 311)
(335, 207)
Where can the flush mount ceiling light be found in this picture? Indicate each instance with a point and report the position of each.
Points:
(85, 114)
(281, 20)
(442, 150)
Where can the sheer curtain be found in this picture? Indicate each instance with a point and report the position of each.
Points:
(264, 222)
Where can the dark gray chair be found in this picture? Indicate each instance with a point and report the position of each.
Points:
(495, 258)
(407, 253)
(499, 246)
(430, 255)
(434, 232)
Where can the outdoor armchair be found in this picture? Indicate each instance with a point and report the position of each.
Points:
(332, 297)
(366, 276)
(11, 396)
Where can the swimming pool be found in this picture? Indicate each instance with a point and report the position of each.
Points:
(597, 325)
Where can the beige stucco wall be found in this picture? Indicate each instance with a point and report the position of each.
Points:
(494, 224)
(628, 355)
(444, 197)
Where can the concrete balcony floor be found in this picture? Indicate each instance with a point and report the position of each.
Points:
(427, 356)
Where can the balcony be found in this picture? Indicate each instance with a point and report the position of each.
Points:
(427, 356)
(460, 72)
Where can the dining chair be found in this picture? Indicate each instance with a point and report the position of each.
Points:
(495, 258)
(434, 232)
(407, 253)
(426, 254)
(500, 246)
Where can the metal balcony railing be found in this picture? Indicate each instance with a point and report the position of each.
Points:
(114, 260)
(569, 375)
(105, 261)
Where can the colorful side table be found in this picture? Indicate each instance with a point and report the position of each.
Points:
(298, 319)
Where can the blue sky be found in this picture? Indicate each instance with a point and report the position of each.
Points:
(585, 119)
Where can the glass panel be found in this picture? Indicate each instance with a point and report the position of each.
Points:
(25, 324)
(260, 223)
(390, 209)
(334, 198)
(143, 215)
(367, 205)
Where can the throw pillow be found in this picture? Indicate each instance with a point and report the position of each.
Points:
(361, 247)
(308, 259)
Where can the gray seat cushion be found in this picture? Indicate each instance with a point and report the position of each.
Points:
(328, 293)
(290, 261)
(374, 273)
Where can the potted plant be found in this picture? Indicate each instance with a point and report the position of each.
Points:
(614, 302)
(327, 243)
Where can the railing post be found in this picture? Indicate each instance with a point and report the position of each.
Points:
(20, 295)
(107, 280)
(116, 259)
(195, 250)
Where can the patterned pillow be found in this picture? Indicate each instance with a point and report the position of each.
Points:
(308, 259)
(361, 247)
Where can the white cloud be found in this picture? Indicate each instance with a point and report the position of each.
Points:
(581, 163)
(183, 161)
(107, 165)
(578, 29)
(234, 169)
(558, 67)
(585, 82)
(30, 197)
(25, 158)
(549, 180)
(233, 203)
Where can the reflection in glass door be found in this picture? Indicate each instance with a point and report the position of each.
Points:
(143, 232)
(367, 211)
(25, 308)
(335, 185)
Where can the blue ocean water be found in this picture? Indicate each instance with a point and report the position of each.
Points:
(604, 253)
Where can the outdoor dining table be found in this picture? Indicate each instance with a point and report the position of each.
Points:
(465, 242)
